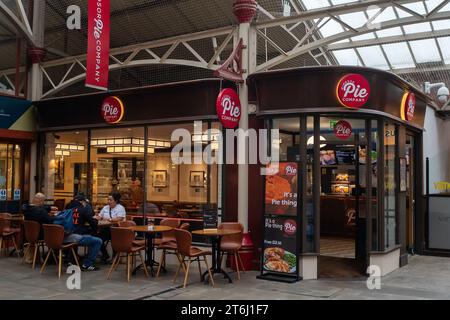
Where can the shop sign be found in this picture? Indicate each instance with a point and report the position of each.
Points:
(17, 193)
(3, 194)
(97, 59)
(112, 110)
(280, 245)
(353, 91)
(408, 106)
(281, 190)
(210, 220)
(228, 108)
(343, 130)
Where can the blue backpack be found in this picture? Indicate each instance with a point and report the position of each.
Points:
(65, 219)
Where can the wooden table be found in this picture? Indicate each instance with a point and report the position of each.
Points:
(150, 237)
(216, 238)
(106, 224)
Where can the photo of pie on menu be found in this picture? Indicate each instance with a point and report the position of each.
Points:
(281, 190)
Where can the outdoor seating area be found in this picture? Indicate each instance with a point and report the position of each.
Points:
(131, 244)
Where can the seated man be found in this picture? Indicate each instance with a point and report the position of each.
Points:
(84, 223)
(39, 212)
(112, 212)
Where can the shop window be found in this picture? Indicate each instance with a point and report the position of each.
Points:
(374, 200)
(117, 159)
(65, 166)
(310, 207)
(11, 167)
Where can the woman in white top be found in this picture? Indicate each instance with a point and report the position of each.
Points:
(114, 211)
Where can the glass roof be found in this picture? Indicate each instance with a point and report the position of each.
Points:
(416, 44)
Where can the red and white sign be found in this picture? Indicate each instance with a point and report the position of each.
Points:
(97, 68)
(343, 130)
(112, 110)
(290, 227)
(353, 91)
(228, 108)
(408, 106)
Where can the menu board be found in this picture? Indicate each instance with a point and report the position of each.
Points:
(282, 189)
(345, 156)
(210, 219)
(328, 158)
(280, 245)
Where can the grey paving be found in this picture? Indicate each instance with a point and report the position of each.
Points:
(424, 278)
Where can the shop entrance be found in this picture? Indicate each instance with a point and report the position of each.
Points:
(343, 250)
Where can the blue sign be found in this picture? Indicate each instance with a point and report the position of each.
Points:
(3, 194)
(17, 193)
(11, 109)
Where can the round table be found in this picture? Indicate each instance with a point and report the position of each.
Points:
(150, 236)
(216, 238)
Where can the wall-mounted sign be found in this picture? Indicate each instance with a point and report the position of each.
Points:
(112, 110)
(408, 107)
(281, 190)
(353, 91)
(3, 194)
(228, 108)
(97, 59)
(343, 130)
(17, 193)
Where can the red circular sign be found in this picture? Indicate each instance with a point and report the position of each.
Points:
(112, 110)
(409, 106)
(228, 108)
(343, 130)
(353, 91)
(290, 227)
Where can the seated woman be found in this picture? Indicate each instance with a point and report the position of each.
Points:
(112, 212)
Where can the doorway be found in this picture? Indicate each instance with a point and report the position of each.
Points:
(410, 192)
(343, 168)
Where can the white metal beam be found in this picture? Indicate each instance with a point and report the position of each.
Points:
(21, 26)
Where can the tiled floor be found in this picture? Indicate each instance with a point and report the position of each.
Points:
(423, 278)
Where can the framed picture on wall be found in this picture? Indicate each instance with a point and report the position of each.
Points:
(197, 179)
(160, 179)
(59, 174)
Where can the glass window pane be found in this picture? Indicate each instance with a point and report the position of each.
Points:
(417, 28)
(118, 166)
(314, 4)
(65, 160)
(373, 57)
(355, 19)
(391, 32)
(431, 4)
(444, 44)
(399, 55)
(347, 57)
(331, 28)
(441, 25)
(418, 7)
(425, 50)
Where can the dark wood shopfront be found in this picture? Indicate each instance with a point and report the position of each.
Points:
(308, 95)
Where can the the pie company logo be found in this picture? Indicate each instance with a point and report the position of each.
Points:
(290, 227)
(112, 110)
(343, 130)
(290, 170)
(353, 91)
(408, 107)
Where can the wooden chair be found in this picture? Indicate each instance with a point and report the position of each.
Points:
(54, 239)
(185, 250)
(168, 242)
(122, 243)
(32, 230)
(6, 233)
(232, 244)
(130, 224)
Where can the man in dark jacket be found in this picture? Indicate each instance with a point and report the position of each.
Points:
(84, 224)
(37, 211)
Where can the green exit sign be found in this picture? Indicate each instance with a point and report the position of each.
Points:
(333, 124)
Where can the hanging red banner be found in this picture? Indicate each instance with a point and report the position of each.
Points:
(97, 68)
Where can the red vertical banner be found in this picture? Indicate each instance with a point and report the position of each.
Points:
(97, 72)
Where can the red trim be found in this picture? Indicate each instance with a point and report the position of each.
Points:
(16, 135)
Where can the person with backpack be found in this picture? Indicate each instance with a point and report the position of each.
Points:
(83, 224)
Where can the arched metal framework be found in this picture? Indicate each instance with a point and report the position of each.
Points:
(281, 33)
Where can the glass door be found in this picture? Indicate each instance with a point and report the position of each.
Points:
(410, 192)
